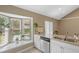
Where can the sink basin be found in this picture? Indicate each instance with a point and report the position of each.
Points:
(62, 37)
(71, 40)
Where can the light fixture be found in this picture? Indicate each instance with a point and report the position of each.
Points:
(59, 9)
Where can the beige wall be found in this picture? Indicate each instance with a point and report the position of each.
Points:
(37, 17)
(70, 23)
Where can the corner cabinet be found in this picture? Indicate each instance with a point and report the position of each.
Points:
(37, 41)
(62, 47)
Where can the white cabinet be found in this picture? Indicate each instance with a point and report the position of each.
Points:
(56, 47)
(37, 41)
(62, 47)
(71, 49)
(68, 50)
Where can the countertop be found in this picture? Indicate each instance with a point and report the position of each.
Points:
(68, 42)
(76, 43)
(13, 45)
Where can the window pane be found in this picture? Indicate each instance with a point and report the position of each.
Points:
(16, 28)
(26, 29)
(4, 30)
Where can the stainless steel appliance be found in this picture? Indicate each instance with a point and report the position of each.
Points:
(45, 44)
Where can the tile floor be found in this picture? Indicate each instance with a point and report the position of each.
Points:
(32, 50)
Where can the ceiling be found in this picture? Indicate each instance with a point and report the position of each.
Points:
(53, 11)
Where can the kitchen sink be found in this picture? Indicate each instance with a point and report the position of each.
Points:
(67, 39)
(72, 40)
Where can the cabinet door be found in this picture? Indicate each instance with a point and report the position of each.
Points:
(56, 49)
(71, 49)
(68, 51)
(37, 41)
(68, 48)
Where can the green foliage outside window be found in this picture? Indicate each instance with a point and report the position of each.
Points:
(0, 37)
(26, 31)
(17, 32)
(3, 22)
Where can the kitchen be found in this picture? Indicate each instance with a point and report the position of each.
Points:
(42, 29)
(55, 31)
(56, 43)
(65, 39)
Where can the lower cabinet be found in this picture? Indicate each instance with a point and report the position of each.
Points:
(56, 48)
(61, 47)
(37, 41)
(68, 51)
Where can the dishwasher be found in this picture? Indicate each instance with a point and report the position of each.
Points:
(45, 44)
